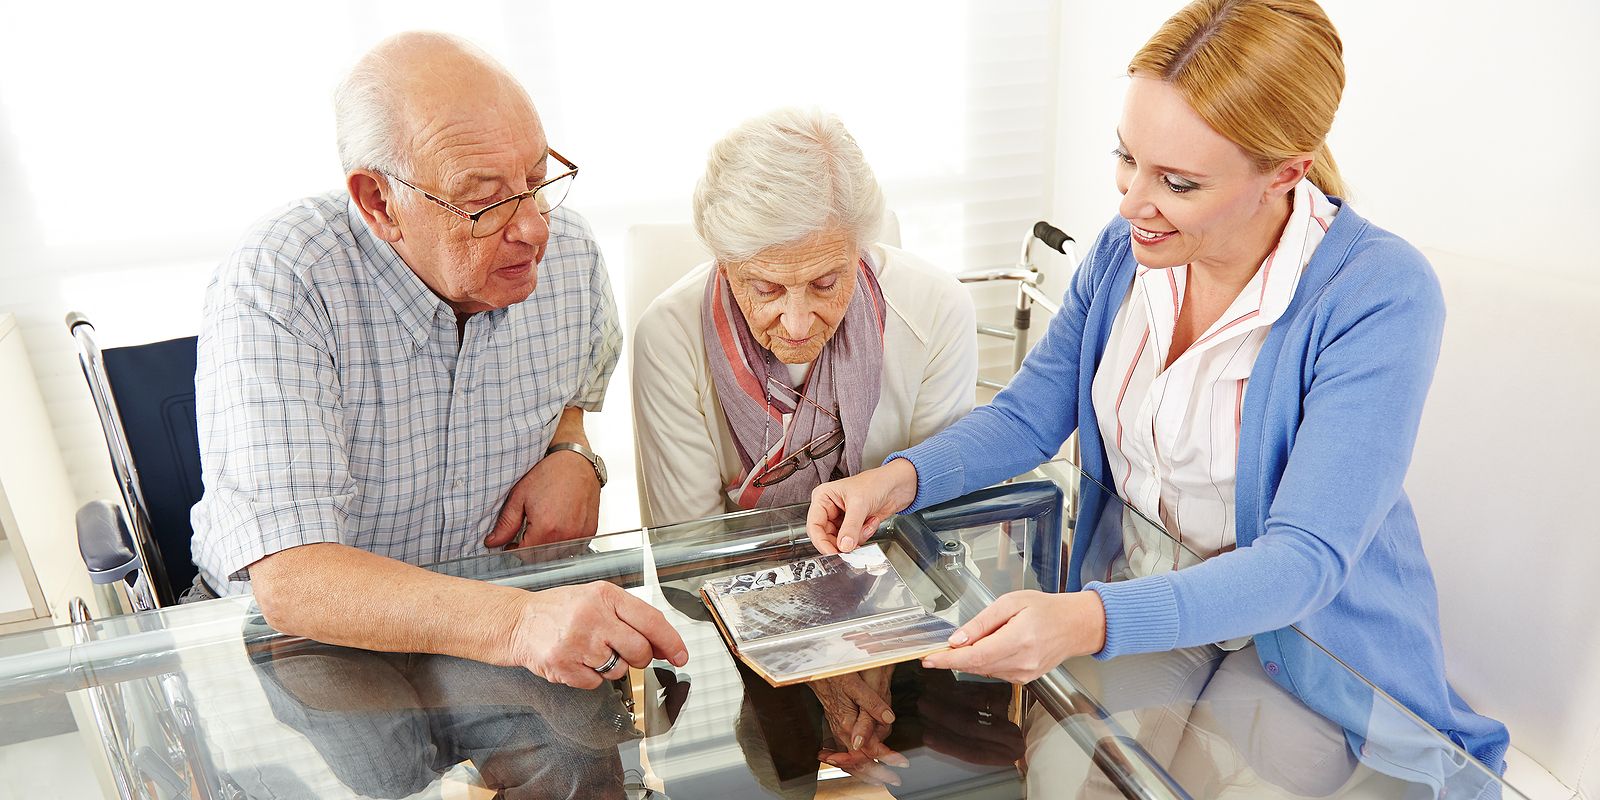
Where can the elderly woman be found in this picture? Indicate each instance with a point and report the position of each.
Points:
(1245, 359)
(804, 351)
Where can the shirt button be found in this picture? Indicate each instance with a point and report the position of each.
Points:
(460, 483)
(1272, 667)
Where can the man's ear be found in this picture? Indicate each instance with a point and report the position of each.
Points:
(1287, 176)
(371, 191)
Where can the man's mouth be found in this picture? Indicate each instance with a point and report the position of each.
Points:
(515, 270)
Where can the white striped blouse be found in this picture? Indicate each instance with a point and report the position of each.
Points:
(1172, 436)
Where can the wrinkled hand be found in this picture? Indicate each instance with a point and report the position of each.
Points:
(858, 714)
(968, 719)
(1025, 634)
(563, 634)
(845, 513)
(558, 500)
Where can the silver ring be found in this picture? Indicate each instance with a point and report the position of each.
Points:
(610, 664)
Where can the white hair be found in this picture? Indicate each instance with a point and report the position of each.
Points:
(367, 117)
(781, 177)
(369, 106)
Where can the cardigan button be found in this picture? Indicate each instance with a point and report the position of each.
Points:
(1272, 667)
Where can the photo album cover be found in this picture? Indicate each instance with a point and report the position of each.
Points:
(823, 616)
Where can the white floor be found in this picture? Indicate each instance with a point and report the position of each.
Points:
(13, 596)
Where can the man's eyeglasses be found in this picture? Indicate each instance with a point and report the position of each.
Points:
(820, 447)
(493, 218)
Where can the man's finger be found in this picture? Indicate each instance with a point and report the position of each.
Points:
(634, 649)
(579, 676)
(818, 520)
(664, 641)
(507, 524)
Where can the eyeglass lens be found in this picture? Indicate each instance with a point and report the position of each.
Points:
(546, 198)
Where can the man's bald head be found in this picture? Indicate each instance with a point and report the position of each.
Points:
(406, 82)
(429, 114)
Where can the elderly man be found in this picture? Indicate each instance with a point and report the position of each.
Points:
(381, 385)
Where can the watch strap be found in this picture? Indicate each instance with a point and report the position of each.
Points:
(591, 456)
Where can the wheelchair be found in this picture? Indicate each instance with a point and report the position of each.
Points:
(140, 561)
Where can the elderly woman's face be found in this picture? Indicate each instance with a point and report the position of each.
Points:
(1189, 193)
(793, 296)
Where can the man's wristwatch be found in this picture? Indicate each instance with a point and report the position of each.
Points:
(595, 460)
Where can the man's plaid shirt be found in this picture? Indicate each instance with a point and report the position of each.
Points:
(334, 405)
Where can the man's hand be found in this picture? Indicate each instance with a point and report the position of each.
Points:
(845, 513)
(858, 714)
(1025, 634)
(563, 634)
(558, 500)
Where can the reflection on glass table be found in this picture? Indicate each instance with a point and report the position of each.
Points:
(205, 700)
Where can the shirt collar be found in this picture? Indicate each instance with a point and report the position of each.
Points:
(1274, 284)
(412, 300)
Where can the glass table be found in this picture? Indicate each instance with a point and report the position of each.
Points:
(207, 701)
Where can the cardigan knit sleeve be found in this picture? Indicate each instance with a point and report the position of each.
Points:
(1373, 349)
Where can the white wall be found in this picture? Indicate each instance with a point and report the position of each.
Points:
(1467, 126)
(131, 166)
(1470, 129)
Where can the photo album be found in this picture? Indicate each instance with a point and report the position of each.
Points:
(823, 616)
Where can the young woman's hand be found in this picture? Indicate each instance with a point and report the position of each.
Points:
(1025, 634)
(845, 513)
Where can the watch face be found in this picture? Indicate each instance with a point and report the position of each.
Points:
(600, 467)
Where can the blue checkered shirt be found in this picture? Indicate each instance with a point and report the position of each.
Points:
(334, 405)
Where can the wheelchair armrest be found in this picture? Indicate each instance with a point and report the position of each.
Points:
(105, 543)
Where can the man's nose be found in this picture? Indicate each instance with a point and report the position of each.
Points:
(527, 225)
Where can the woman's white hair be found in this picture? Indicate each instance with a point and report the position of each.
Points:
(781, 177)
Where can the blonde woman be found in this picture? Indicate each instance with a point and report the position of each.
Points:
(1245, 359)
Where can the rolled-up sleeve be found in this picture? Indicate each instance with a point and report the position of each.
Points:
(605, 339)
(268, 400)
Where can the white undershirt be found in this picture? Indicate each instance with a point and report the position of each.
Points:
(1172, 436)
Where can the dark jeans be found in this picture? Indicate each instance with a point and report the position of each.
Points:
(388, 724)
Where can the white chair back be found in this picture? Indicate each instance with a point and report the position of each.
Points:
(1504, 485)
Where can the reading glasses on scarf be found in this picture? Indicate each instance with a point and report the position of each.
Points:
(493, 218)
(819, 447)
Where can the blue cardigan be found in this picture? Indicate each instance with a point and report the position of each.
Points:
(1326, 537)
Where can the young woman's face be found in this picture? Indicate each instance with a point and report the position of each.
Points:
(1188, 193)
